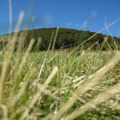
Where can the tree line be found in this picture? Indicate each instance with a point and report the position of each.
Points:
(61, 38)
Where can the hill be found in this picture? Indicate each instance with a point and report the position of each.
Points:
(60, 38)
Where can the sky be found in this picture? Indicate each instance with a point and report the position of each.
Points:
(92, 15)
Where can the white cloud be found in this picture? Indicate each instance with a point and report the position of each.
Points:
(93, 14)
(85, 24)
(68, 24)
(48, 19)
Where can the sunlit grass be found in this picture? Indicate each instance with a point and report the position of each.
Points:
(58, 84)
(41, 84)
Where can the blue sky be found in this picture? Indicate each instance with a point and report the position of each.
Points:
(77, 14)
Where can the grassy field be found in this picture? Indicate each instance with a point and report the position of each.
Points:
(59, 85)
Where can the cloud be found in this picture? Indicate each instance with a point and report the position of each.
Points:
(85, 24)
(47, 19)
(68, 24)
(93, 14)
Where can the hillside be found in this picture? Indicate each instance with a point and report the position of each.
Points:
(61, 38)
(85, 85)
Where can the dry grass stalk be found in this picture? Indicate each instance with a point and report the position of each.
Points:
(38, 94)
(4, 112)
(6, 64)
(92, 104)
(21, 92)
(92, 81)
(9, 54)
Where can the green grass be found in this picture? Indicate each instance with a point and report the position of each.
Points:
(27, 95)
(59, 84)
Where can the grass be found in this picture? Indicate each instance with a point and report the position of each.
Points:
(59, 85)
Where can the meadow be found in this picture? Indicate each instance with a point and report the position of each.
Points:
(59, 84)
(58, 73)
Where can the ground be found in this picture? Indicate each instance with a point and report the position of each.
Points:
(39, 83)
